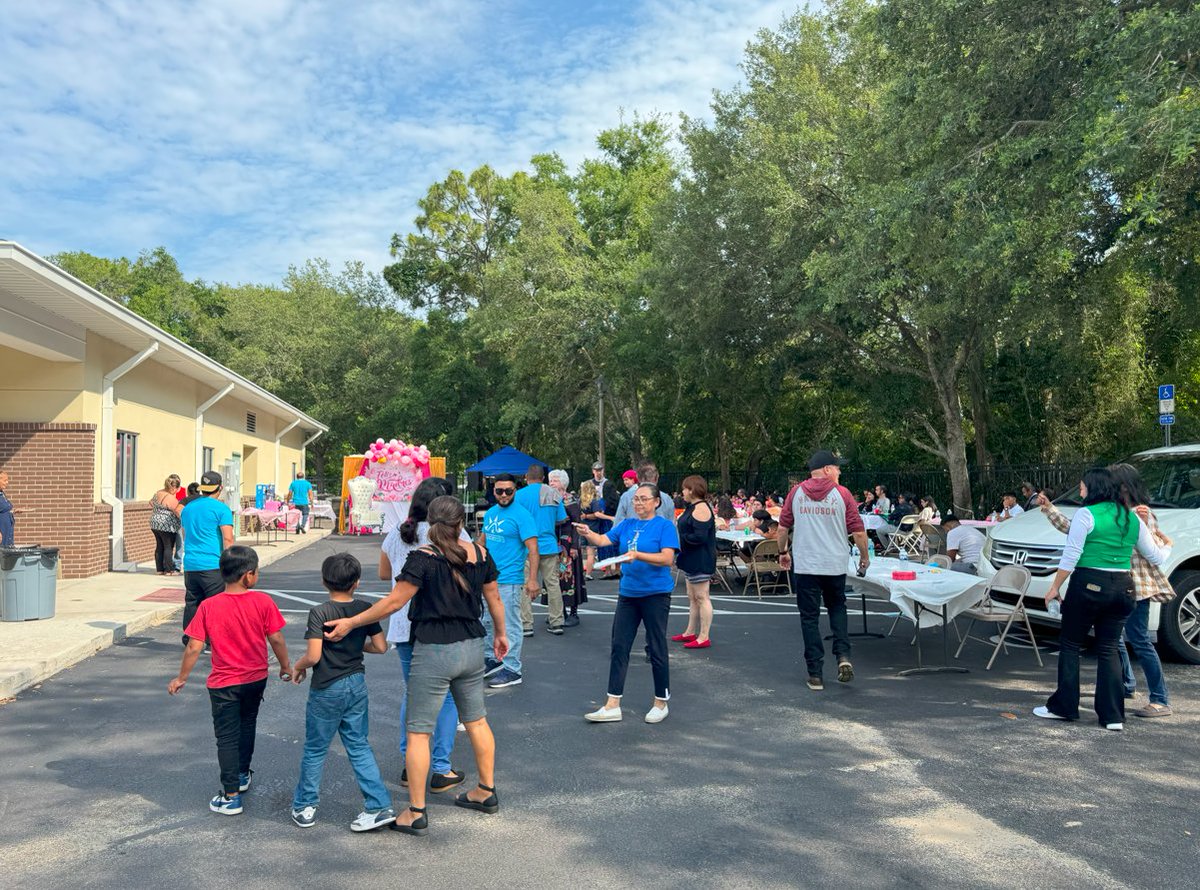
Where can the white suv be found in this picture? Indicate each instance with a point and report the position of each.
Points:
(1172, 476)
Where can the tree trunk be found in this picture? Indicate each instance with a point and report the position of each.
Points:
(945, 385)
(723, 458)
(981, 409)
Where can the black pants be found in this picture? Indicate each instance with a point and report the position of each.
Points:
(197, 587)
(164, 551)
(235, 719)
(810, 591)
(651, 612)
(1102, 600)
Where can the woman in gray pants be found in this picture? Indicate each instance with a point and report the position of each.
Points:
(447, 584)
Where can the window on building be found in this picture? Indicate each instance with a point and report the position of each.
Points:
(126, 465)
(293, 469)
(251, 422)
(206, 459)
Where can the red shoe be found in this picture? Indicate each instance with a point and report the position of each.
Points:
(697, 644)
(683, 638)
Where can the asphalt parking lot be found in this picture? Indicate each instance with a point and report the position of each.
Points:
(753, 781)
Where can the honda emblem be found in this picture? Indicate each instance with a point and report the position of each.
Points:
(1019, 557)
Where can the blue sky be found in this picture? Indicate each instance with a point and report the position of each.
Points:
(249, 135)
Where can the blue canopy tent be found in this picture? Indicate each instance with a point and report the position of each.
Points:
(506, 460)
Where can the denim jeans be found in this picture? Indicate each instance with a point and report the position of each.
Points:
(235, 722)
(810, 591)
(1094, 599)
(339, 709)
(447, 721)
(303, 508)
(652, 613)
(178, 551)
(511, 595)
(1137, 632)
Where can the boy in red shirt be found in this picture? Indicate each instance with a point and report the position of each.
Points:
(235, 623)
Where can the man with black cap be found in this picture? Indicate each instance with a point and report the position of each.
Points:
(820, 514)
(208, 528)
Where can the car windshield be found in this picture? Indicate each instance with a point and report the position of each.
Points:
(1173, 480)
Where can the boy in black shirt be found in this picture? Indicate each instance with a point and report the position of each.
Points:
(337, 699)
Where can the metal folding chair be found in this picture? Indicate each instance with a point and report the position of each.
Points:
(1010, 579)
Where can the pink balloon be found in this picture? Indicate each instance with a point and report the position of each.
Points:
(379, 441)
(406, 460)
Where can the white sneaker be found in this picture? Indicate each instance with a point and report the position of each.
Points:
(1045, 713)
(604, 715)
(1114, 727)
(657, 714)
(369, 821)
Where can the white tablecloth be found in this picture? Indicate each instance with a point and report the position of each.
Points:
(873, 521)
(934, 587)
(322, 510)
(739, 537)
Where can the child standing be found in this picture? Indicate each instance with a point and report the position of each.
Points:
(235, 623)
(337, 699)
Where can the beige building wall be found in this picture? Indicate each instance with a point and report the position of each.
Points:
(33, 389)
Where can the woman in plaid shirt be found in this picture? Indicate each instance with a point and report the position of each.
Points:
(1149, 585)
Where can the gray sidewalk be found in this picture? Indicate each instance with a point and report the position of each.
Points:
(94, 613)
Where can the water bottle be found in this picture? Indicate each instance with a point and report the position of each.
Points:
(854, 552)
(870, 548)
(903, 555)
(1054, 610)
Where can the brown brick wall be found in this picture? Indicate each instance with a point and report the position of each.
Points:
(59, 508)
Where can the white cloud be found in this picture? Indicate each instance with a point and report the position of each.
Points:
(248, 136)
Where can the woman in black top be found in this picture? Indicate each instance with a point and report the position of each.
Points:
(446, 584)
(697, 560)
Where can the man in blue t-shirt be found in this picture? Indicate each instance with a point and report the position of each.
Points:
(545, 504)
(208, 529)
(511, 537)
(298, 494)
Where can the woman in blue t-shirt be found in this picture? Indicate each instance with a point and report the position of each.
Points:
(649, 543)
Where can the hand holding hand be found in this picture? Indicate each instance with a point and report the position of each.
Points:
(1042, 500)
(298, 676)
(1143, 512)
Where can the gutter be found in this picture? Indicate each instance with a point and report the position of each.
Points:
(200, 427)
(287, 429)
(108, 468)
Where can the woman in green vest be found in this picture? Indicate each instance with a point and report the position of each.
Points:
(1097, 559)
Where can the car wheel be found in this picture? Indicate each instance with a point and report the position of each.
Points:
(1179, 621)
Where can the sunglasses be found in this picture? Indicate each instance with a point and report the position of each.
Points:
(500, 491)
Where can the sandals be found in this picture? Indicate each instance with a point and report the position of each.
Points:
(419, 827)
(491, 806)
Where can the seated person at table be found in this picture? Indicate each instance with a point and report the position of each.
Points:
(964, 545)
(867, 505)
(903, 507)
(760, 518)
(1009, 508)
(725, 513)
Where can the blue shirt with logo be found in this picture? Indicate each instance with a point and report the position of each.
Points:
(202, 544)
(507, 529)
(529, 499)
(300, 489)
(651, 535)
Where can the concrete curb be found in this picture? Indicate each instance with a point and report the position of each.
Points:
(16, 680)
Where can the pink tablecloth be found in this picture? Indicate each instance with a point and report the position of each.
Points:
(274, 517)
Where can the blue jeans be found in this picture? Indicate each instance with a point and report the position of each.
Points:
(1137, 632)
(341, 709)
(510, 595)
(447, 721)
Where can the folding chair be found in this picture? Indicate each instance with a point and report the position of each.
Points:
(935, 538)
(724, 564)
(1009, 579)
(908, 538)
(765, 560)
(941, 560)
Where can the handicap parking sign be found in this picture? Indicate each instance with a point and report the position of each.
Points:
(1166, 391)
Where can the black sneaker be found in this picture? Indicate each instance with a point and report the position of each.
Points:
(503, 679)
(527, 632)
(404, 778)
(491, 666)
(815, 683)
(557, 631)
(445, 781)
(571, 621)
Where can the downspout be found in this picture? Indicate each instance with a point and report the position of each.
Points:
(108, 466)
(304, 448)
(287, 429)
(200, 428)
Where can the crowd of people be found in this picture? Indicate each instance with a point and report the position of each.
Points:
(459, 610)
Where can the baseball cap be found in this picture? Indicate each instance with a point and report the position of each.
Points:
(629, 474)
(210, 482)
(823, 459)
(597, 466)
